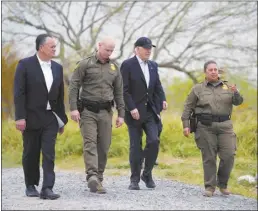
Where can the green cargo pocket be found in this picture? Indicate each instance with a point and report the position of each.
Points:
(198, 140)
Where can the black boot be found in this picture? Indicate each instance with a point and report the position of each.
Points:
(48, 194)
(148, 181)
(134, 186)
(31, 191)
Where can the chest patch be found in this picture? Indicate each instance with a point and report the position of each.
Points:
(112, 67)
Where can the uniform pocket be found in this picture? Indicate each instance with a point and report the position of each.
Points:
(198, 140)
(112, 72)
(93, 71)
(226, 97)
(110, 76)
(205, 97)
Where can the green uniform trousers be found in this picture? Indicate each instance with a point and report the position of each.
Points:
(217, 139)
(96, 130)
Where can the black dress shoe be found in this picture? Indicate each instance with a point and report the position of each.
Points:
(134, 186)
(48, 194)
(31, 191)
(148, 181)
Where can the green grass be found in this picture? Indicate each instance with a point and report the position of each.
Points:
(179, 157)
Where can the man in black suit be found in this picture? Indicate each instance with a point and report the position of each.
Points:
(39, 114)
(141, 81)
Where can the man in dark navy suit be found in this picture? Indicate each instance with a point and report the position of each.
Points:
(39, 114)
(141, 81)
(160, 98)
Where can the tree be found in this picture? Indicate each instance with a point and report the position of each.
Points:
(9, 61)
(186, 33)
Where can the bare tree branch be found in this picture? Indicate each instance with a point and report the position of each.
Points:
(83, 15)
(126, 41)
(185, 33)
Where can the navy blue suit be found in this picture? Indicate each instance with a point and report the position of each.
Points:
(138, 95)
(30, 99)
(159, 97)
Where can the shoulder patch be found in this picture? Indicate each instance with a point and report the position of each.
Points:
(225, 85)
(79, 62)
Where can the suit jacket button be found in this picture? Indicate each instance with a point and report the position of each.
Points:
(145, 103)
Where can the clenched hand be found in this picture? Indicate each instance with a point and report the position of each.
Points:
(135, 114)
(186, 131)
(75, 115)
(119, 122)
(21, 125)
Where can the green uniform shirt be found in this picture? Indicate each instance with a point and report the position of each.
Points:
(99, 82)
(212, 99)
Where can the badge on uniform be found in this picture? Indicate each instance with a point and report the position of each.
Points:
(113, 67)
(224, 86)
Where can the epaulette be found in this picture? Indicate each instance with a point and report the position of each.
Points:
(84, 59)
(78, 62)
(225, 82)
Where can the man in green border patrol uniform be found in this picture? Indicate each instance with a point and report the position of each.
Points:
(212, 102)
(101, 83)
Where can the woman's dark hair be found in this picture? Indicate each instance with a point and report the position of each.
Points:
(207, 63)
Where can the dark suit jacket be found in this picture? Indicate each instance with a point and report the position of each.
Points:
(31, 94)
(136, 93)
(159, 97)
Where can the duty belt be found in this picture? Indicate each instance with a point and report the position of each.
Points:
(97, 106)
(215, 118)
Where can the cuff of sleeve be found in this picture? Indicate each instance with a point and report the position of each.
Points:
(186, 123)
(20, 118)
(121, 113)
(73, 107)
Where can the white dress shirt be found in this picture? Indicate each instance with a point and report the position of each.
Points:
(145, 70)
(47, 72)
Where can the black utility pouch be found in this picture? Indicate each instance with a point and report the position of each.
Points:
(206, 119)
(109, 108)
(93, 108)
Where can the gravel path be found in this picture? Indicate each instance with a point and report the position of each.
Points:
(168, 195)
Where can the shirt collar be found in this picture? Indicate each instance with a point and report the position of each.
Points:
(219, 82)
(43, 62)
(97, 59)
(140, 60)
